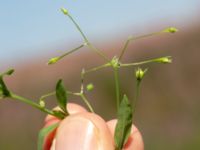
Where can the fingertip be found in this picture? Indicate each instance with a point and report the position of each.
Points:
(75, 108)
(72, 109)
(50, 120)
(83, 130)
(135, 140)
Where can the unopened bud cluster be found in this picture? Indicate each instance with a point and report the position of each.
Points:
(115, 62)
(139, 73)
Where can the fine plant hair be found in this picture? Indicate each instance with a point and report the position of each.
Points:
(125, 108)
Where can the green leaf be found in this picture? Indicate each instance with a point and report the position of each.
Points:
(8, 72)
(4, 92)
(60, 114)
(124, 123)
(61, 95)
(44, 132)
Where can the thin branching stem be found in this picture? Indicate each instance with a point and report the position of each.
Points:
(33, 104)
(157, 60)
(81, 94)
(131, 38)
(56, 59)
(47, 95)
(82, 80)
(136, 63)
(43, 97)
(86, 102)
(137, 92)
(78, 28)
(97, 68)
(125, 47)
(117, 87)
(92, 47)
(71, 51)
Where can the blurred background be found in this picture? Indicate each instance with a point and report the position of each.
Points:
(31, 32)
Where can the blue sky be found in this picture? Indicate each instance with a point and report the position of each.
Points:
(33, 28)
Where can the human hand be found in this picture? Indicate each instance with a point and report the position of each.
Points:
(83, 130)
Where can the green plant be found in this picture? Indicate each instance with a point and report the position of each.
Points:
(124, 108)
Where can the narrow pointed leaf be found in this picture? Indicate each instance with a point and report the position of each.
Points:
(60, 114)
(4, 92)
(44, 135)
(9, 72)
(61, 95)
(123, 127)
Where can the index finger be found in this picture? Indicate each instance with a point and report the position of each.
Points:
(72, 109)
(135, 141)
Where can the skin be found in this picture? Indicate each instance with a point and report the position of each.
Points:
(86, 131)
(135, 141)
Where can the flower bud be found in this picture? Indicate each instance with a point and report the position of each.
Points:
(115, 62)
(139, 73)
(42, 103)
(64, 11)
(90, 87)
(170, 30)
(164, 60)
(53, 60)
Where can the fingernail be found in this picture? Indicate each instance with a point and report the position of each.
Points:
(77, 133)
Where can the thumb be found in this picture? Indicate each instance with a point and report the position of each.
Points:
(85, 131)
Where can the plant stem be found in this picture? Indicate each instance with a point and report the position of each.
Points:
(117, 88)
(137, 92)
(78, 28)
(98, 52)
(137, 63)
(124, 48)
(82, 80)
(97, 68)
(86, 102)
(33, 104)
(47, 95)
(71, 51)
(143, 62)
(131, 38)
(86, 39)
(53, 93)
